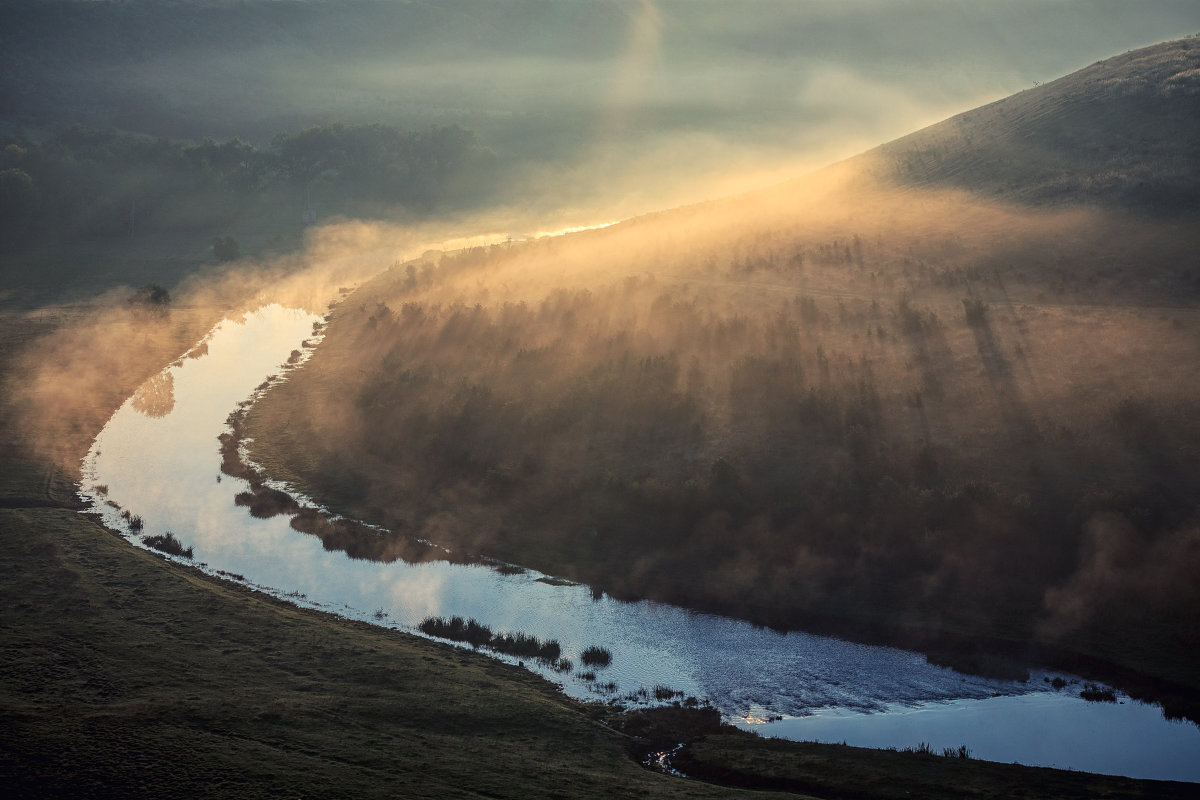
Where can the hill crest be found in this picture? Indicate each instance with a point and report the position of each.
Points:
(1122, 132)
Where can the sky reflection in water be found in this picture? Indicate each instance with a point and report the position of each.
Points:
(164, 465)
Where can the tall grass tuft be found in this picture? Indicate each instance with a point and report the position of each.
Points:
(167, 543)
(479, 635)
(596, 656)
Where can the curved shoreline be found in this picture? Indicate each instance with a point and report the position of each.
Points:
(982, 655)
(846, 655)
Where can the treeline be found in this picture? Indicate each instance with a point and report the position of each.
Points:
(84, 182)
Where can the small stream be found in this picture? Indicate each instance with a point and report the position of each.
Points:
(157, 460)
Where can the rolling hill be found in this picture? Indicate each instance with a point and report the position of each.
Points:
(1123, 133)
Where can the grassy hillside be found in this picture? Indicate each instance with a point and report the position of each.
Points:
(1122, 133)
(898, 413)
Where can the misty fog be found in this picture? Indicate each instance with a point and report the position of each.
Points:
(609, 108)
(938, 392)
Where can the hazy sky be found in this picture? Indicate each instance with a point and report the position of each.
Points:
(696, 90)
(646, 101)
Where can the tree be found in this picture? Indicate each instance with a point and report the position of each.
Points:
(152, 300)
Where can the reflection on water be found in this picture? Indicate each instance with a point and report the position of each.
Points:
(155, 397)
(1053, 729)
(165, 469)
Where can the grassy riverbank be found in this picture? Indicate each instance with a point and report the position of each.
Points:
(125, 674)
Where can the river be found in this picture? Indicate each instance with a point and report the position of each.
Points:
(157, 460)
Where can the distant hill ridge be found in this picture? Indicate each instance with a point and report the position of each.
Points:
(1123, 132)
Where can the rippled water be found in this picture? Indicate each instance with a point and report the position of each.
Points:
(1053, 729)
(158, 459)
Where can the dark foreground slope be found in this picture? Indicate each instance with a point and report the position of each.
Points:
(903, 413)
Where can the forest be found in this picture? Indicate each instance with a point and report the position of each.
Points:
(926, 426)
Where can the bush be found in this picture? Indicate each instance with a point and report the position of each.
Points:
(479, 635)
(662, 692)
(1098, 694)
(457, 629)
(150, 301)
(167, 543)
(596, 657)
(521, 644)
(265, 502)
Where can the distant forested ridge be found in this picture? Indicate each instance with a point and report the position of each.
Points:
(84, 182)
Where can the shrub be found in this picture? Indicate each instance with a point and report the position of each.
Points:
(521, 644)
(457, 629)
(151, 299)
(167, 543)
(265, 502)
(1098, 694)
(596, 657)
(662, 692)
(478, 635)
